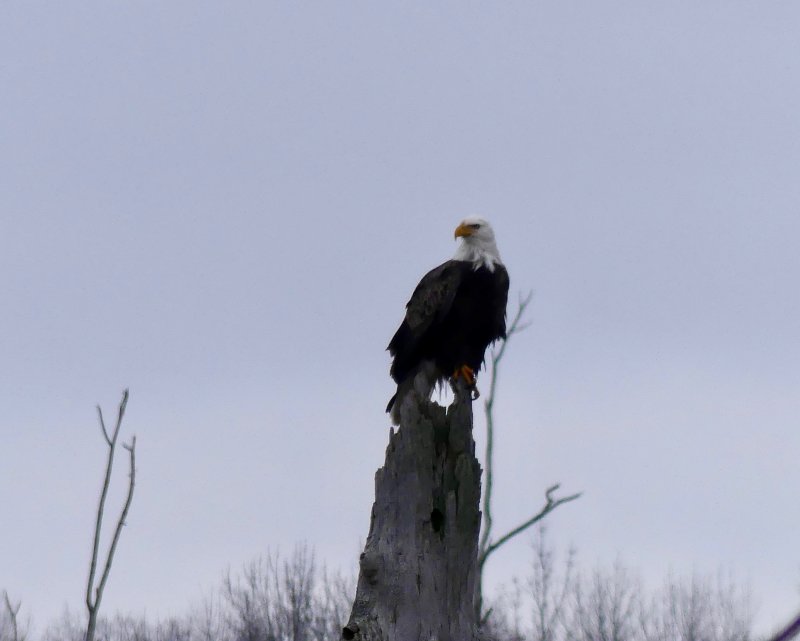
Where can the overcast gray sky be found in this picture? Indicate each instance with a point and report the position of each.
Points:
(225, 206)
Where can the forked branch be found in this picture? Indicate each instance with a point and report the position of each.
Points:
(13, 611)
(550, 505)
(94, 594)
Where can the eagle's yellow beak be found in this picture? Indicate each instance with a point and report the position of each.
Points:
(463, 230)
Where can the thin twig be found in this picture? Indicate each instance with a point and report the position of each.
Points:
(103, 425)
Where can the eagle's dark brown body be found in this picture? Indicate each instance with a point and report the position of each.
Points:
(455, 312)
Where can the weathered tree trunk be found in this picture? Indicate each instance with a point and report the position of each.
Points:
(419, 566)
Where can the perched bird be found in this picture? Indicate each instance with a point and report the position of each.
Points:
(455, 312)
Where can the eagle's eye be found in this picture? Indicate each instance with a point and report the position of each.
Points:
(475, 226)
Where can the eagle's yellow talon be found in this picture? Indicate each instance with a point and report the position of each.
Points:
(468, 374)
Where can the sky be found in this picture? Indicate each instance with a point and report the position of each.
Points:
(225, 206)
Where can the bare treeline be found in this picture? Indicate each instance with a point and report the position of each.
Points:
(295, 599)
(557, 602)
(270, 599)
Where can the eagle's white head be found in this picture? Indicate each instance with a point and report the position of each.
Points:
(477, 243)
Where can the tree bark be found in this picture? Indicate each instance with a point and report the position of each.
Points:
(418, 571)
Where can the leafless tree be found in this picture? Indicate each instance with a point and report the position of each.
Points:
(612, 606)
(559, 603)
(285, 600)
(605, 606)
(508, 621)
(488, 544)
(332, 605)
(270, 599)
(699, 608)
(208, 620)
(11, 629)
(549, 588)
(68, 627)
(94, 592)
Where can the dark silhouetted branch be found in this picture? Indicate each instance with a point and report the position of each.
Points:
(789, 632)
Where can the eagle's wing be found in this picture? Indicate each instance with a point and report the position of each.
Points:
(433, 296)
(501, 301)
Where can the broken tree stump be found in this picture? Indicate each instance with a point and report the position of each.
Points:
(418, 571)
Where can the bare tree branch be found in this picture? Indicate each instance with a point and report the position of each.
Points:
(486, 546)
(98, 524)
(13, 611)
(497, 356)
(121, 521)
(93, 601)
(103, 426)
(789, 632)
(550, 505)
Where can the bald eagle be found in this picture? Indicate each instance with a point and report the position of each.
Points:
(456, 311)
